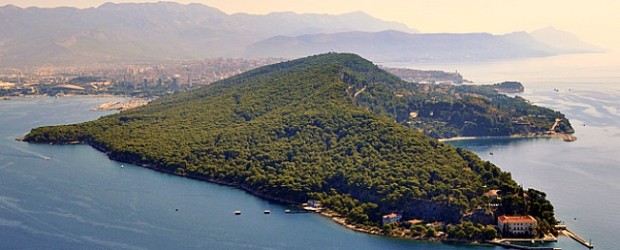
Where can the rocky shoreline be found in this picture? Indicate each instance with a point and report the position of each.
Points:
(400, 232)
(335, 217)
(122, 105)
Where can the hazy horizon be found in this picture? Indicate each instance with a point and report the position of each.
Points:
(593, 23)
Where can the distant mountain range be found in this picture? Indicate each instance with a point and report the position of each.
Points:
(135, 32)
(397, 46)
(151, 31)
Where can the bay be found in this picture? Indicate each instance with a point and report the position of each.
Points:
(581, 177)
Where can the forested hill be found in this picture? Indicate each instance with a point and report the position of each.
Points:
(296, 130)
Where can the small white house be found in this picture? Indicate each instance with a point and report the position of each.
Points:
(314, 204)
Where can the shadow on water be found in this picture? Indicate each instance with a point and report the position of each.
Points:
(493, 141)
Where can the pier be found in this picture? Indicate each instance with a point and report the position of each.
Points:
(567, 232)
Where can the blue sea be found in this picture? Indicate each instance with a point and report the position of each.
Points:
(74, 197)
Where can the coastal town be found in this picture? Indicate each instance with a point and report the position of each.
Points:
(151, 80)
(132, 79)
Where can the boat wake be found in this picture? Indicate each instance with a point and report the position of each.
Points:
(22, 153)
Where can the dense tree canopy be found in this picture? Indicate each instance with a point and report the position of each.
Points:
(298, 130)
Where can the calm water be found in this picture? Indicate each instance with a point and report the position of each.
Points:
(81, 200)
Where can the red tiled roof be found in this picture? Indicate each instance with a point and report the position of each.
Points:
(517, 219)
(390, 215)
(492, 192)
(415, 221)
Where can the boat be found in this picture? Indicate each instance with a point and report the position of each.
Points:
(267, 211)
(238, 212)
(288, 211)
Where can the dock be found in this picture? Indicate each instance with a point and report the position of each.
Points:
(312, 209)
(567, 232)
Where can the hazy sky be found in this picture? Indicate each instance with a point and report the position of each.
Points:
(596, 21)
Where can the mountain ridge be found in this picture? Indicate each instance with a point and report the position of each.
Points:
(150, 31)
(397, 46)
(564, 42)
(139, 32)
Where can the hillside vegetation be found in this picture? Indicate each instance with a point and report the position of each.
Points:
(304, 129)
(445, 111)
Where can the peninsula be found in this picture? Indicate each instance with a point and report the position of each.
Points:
(446, 110)
(323, 128)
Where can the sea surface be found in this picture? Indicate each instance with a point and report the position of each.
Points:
(74, 197)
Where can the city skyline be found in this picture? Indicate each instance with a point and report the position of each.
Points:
(593, 23)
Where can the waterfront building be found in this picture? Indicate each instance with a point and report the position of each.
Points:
(314, 204)
(524, 225)
(391, 218)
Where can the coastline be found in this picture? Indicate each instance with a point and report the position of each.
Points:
(133, 102)
(563, 136)
(399, 233)
(404, 234)
(335, 217)
(129, 103)
(341, 220)
(67, 95)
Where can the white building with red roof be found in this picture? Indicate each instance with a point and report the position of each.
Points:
(517, 225)
(391, 218)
